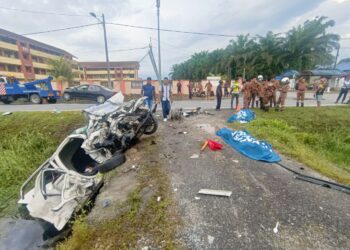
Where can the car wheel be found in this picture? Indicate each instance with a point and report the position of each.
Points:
(101, 99)
(151, 129)
(35, 99)
(66, 96)
(117, 160)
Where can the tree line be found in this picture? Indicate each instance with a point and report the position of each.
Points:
(302, 47)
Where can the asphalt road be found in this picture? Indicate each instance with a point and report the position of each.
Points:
(308, 216)
(186, 104)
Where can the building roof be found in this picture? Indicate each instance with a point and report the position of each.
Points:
(323, 72)
(345, 66)
(103, 65)
(33, 42)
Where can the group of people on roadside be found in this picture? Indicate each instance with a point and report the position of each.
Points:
(197, 89)
(256, 92)
(266, 94)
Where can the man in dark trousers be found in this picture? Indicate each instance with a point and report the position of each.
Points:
(165, 97)
(179, 87)
(218, 95)
(190, 89)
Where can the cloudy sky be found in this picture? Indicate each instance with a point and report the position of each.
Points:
(211, 16)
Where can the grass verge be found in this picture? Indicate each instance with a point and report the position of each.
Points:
(319, 138)
(143, 222)
(26, 140)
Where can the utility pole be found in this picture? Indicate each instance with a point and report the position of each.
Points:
(336, 57)
(103, 22)
(159, 57)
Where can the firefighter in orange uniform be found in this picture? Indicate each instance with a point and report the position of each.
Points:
(301, 88)
(283, 89)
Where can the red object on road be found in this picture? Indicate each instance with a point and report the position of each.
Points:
(213, 145)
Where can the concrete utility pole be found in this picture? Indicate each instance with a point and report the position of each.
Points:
(103, 22)
(336, 58)
(159, 58)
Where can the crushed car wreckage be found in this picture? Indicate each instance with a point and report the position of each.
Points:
(72, 175)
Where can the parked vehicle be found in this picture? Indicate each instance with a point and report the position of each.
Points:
(35, 91)
(88, 92)
(72, 175)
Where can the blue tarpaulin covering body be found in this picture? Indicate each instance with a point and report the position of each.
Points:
(247, 145)
(242, 116)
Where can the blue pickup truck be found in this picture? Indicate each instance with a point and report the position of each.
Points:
(35, 91)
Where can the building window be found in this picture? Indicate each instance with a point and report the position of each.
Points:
(136, 84)
(13, 68)
(2, 67)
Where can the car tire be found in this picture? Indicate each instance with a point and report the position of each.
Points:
(152, 128)
(66, 96)
(117, 160)
(35, 99)
(100, 99)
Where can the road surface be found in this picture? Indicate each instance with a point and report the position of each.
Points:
(186, 104)
(263, 195)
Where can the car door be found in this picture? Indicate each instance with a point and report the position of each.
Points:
(93, 92)
(81, 92)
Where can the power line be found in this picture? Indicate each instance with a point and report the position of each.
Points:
(121, 50)
(171, 30)
(67, 28)
(42, 12)
(143, 57)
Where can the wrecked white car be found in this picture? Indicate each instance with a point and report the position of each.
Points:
(72, 175)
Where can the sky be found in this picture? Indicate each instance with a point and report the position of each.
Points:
(233, 17)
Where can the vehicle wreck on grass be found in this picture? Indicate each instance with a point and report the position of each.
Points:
(72, 175)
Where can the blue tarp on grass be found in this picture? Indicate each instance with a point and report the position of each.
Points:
(247, 145)
(242, 116)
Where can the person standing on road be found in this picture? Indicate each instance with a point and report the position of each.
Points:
(218, 95)
(283, 89)
(246, 90)
(268, 98)
(254, 86)
(301, 88)
(235, 90)
(208, 87)
(166, 98)
(226, 86)
(344, 90)
(321, 87)
(190, 89)
(179, 87)
(149, 91)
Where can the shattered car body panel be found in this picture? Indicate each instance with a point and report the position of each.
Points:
(70, 177)
(113, 126)
(60, 184)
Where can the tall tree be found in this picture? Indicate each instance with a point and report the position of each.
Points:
(62, 70)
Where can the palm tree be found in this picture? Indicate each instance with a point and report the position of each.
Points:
(61, 70)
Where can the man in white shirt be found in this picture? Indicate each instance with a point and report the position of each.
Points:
(166, 96)
(344, 89)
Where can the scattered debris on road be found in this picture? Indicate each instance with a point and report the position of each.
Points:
(7, 113)
(195, 156)
(211, 239)
(275, 230)
(215, 192)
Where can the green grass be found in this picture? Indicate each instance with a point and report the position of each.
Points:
(27, 139)
(319, 138)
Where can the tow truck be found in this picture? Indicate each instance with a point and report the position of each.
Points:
(35, 92)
